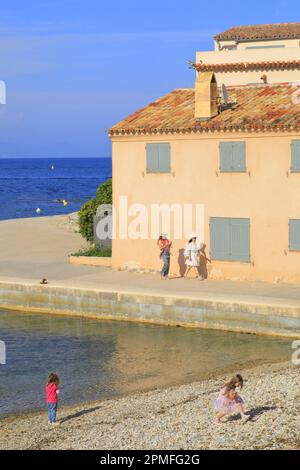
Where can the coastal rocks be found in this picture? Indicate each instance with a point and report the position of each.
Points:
(69, 222)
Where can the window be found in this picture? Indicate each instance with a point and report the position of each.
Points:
(294, 235)
(158, 158)
(295, 156)
(232, 157)
(230, 239)
(228, 48)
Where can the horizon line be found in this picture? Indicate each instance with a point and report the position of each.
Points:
(49, 158)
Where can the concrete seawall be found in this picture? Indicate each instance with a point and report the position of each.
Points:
(172, 310)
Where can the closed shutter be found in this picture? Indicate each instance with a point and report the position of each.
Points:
(295, 156)
(152, 158)
(230, 239)
(238, 156)
(240, 239)
(225, 156)
(294, 235)
(232, 157)
(158, 158)
(219, 238)
(164, 160)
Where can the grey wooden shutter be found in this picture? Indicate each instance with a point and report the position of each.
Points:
(294, 235)
(158, 158)
(164, 158)
(238, 156)
(240, 239)
(225, 156)
(152, 157)
(232, 157)
(295, 156)
(230, 239)
(219, 238)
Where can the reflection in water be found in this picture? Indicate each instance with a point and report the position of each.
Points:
(99, 359)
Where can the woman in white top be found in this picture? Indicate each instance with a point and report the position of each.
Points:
(192, 255)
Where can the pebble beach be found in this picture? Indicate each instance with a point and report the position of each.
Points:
(181, 417)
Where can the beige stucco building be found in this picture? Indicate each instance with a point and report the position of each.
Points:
(242, 55)
(236, 153)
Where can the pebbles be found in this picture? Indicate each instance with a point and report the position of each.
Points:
(175, 418)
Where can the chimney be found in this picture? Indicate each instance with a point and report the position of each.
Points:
(206, 96)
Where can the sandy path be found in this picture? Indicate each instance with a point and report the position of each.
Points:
(33, 248)
(40, 239)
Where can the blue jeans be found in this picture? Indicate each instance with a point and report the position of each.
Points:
(166, 266)
(52, 408)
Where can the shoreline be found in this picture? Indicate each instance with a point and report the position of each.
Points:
(180, 416)
(248, 366)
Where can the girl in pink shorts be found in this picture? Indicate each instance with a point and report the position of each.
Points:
(229, 400)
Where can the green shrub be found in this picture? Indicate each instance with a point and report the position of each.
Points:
(104, 193)
(89, 209)
(86, 214)
(94, 251)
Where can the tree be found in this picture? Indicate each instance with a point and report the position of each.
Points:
(89, 209)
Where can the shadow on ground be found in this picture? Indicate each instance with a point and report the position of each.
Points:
(79, 414)
(254, 413)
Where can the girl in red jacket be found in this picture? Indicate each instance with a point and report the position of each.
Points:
(51, 397)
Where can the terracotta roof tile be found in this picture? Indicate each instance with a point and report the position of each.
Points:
(259, 108)
(246, 66)
(261, 31)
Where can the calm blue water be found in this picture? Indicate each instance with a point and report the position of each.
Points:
(26, 184)
(101, 359)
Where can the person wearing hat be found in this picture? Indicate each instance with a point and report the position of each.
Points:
(192, 255)
(165, 247)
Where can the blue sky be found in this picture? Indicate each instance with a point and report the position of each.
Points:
(73, 68)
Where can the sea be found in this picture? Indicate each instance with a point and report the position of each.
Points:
(36, 187)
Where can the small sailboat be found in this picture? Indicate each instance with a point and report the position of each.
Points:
(38, 210)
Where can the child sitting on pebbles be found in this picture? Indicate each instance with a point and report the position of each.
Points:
(229, 400)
